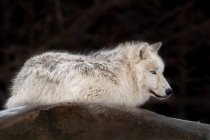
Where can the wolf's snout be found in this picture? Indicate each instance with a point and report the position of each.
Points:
(169, 91)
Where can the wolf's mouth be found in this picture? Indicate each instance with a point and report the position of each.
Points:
(156, 95)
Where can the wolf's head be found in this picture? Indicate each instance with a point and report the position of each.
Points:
(149, 70)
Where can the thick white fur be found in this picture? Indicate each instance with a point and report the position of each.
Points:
(121, 76)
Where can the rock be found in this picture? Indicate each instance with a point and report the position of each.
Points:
(81, 121)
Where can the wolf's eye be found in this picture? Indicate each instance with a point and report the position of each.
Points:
(153, 72)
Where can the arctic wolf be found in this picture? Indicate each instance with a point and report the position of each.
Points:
(126, 76)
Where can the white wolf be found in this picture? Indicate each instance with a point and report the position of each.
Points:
(126, 75)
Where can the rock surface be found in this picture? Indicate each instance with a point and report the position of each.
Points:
(79, 121)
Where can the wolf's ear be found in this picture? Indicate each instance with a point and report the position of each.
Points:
(156, 46)
(144, 51)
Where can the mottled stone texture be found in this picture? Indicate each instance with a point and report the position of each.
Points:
(30, 27)
(96, 122)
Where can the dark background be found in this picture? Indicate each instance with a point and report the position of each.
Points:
(35, 26)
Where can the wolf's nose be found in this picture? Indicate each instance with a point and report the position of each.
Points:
(169, 91)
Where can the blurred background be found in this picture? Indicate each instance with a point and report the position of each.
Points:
(183, 26)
